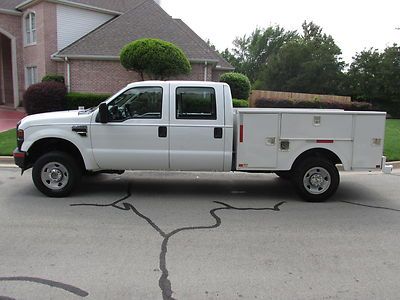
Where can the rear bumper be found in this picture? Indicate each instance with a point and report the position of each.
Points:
(20, 158)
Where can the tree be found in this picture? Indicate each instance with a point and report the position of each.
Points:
(364, 76)
(156, 58)
(251, 53)
(310, 63)
(239, 84)
(374, 76)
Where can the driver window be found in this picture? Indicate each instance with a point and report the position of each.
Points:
(136, 103)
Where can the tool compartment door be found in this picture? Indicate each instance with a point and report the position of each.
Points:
(257, 141)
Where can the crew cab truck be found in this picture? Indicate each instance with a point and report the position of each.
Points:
(192, 126)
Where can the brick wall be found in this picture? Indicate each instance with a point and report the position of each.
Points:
(40, 53)
(99, 76)
(7, 90)
(109, 76)
(12, 25)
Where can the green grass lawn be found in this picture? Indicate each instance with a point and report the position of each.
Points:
(392, 141)
(8, 142)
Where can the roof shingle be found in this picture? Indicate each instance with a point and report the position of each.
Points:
(9, 4)
(147, 20)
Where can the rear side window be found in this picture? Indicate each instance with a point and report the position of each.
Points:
(196, 103)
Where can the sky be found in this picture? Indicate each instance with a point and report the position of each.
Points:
(355, 25)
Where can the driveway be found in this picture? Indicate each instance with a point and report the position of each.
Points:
(147, 235)
(9, 119)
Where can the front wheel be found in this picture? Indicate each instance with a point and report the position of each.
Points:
(316, 179)
(56, 174)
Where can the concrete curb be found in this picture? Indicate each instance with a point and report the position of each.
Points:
(8, 161)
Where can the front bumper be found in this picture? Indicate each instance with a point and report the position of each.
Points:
(20, 158)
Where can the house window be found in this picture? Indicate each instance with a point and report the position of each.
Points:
(30, 28)
(196, 103)
(31, 76)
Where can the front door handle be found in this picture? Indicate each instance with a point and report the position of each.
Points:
(218, 133)
(162, 132)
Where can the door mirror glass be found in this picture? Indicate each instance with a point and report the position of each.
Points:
(103, 113)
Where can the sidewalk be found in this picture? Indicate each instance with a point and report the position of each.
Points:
(9, 118)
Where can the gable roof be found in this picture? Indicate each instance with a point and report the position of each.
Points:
(146, 20)
(9, 4)
(118, 6)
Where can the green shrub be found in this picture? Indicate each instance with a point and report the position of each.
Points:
(392, 108)
(74, 100)
(45, 97)
(156, 58)
(239, 84)
(53, 77)
(240, 103)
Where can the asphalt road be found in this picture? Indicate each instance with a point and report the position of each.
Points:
(199, 236)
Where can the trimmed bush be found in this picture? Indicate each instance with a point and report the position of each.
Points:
(240, 103)
(74, 100)
(45, 97)
(156, 58)
(392, 108)
(275, 103)
(239, 84)
(53, 77)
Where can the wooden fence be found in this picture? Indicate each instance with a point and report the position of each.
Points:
(255, 95)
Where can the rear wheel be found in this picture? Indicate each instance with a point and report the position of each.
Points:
(316, 179)
(56, 174)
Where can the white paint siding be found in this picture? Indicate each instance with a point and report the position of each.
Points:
(73, 23)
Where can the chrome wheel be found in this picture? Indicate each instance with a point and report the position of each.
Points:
(317, 180)
(55, 176)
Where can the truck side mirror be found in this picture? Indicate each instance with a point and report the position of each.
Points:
(103, 113)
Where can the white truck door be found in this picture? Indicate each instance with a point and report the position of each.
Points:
(136, 136)
(196, 127)
(258, 138)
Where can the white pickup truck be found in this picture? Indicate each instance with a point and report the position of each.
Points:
(192, 126)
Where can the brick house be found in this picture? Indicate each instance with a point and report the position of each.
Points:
(82, 39)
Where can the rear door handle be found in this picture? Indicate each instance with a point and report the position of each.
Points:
(162, 132)
(218, 133)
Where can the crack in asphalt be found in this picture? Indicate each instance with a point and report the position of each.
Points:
(55, 284)
(370, 206)
(164, 282)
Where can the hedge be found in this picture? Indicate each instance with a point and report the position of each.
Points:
(87, 100)
(239, 84)
(278, 103)
(392, 108)
(53, 77)
(240, 103)
(45, 97)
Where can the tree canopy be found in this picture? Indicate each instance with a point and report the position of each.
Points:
(311, 62)
(156, 58)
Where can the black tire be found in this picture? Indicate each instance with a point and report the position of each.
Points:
(286, 175)
(316, 179)
(61, 174)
